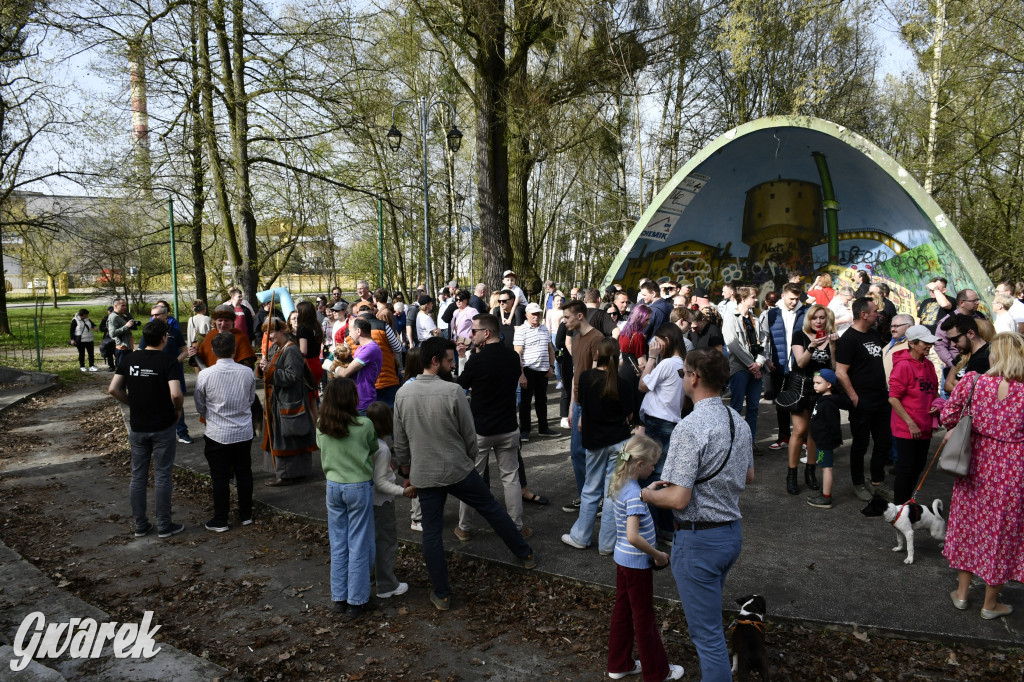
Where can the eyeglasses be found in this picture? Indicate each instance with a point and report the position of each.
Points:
(474, 330)
(900, 324)
(954, 339)
(971, 300)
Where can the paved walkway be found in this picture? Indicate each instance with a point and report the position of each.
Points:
(833, 567)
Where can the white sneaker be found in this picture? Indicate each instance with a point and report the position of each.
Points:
(398, 591)
(93, 369)
(416, 526)
(82, 369)
(637, 668)
(558, 386)
(675, 672)
(567, 539)
(564, 423)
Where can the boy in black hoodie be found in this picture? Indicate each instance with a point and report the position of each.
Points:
(826, 432)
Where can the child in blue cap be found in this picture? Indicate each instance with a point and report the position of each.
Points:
(826, 432)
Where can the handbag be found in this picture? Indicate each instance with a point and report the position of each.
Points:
(956, 446)
(794, 387)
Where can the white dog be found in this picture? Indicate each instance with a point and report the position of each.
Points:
(908, 518)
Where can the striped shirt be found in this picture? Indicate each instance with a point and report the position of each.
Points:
(224, 393)
(627, 504)
(534, 342)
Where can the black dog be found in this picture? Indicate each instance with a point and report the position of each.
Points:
(748, 652)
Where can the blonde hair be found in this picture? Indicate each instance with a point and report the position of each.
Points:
(823, 281)
(830, 320)
(637, 450)
(1006, 356)
(1004, 301)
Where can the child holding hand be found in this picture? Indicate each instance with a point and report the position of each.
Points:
(385, 489)
(635, 558)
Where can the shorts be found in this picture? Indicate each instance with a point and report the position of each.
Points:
(825, 458)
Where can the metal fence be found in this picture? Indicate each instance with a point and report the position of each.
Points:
(24, 347)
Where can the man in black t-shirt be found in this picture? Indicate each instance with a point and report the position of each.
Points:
(861, 372)
(492, 374)
(148, 382)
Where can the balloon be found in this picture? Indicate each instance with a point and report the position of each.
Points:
(281, 294)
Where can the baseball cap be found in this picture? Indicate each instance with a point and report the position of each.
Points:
(507, 273)
(700, 292)
(340, 305)
(919, 332)
(828, 375)
(424, 299)
(532, 308)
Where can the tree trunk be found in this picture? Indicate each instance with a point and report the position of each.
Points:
(492, 144)
(520, 165)
(210, 128)
(934, 84)
(246, 274)
(195, 153)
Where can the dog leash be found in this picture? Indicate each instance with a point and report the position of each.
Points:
(913, 497)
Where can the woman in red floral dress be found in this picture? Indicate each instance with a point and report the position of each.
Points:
(985, 537)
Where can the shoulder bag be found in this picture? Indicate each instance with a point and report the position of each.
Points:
(956, 446)
(793, 388)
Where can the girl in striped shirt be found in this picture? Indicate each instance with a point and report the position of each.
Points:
(635, 558)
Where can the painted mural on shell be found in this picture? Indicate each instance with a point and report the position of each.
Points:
(784, 195)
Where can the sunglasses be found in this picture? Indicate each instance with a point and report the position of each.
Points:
(504, 300)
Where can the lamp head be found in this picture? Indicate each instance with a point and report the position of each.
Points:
(394, 138)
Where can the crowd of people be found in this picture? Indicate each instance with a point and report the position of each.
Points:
(411, 399)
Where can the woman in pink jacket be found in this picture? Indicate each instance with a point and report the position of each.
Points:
(913, 394)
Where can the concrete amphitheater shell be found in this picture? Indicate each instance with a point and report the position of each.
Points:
(796, 194)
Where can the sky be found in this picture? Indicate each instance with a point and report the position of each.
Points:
(85, 85)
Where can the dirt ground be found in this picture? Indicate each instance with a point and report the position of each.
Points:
(256, 600)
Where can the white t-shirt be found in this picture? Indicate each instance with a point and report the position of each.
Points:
(841, 311)
(1017, 311)
(424, 325)
(519, 294)
(664, 398)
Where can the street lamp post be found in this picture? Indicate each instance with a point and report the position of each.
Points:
(454, 138)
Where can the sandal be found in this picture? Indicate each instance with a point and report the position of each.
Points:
(536, 499)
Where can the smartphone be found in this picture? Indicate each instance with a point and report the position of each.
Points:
(821, 334)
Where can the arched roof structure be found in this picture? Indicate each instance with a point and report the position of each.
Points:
(792, 194)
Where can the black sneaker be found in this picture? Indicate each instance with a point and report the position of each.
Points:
(571, 507)
(186, 439)
(173, 529)
(247, 522)
(217, 527)
(144, 531)
(524, 437)
(339, 607)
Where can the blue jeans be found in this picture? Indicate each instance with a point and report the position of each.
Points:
(577, 454)
(473, 492)
(600, 467)
(350, 527)
(700, 561)
(158, 447)
(745, 388)
(661, 431)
